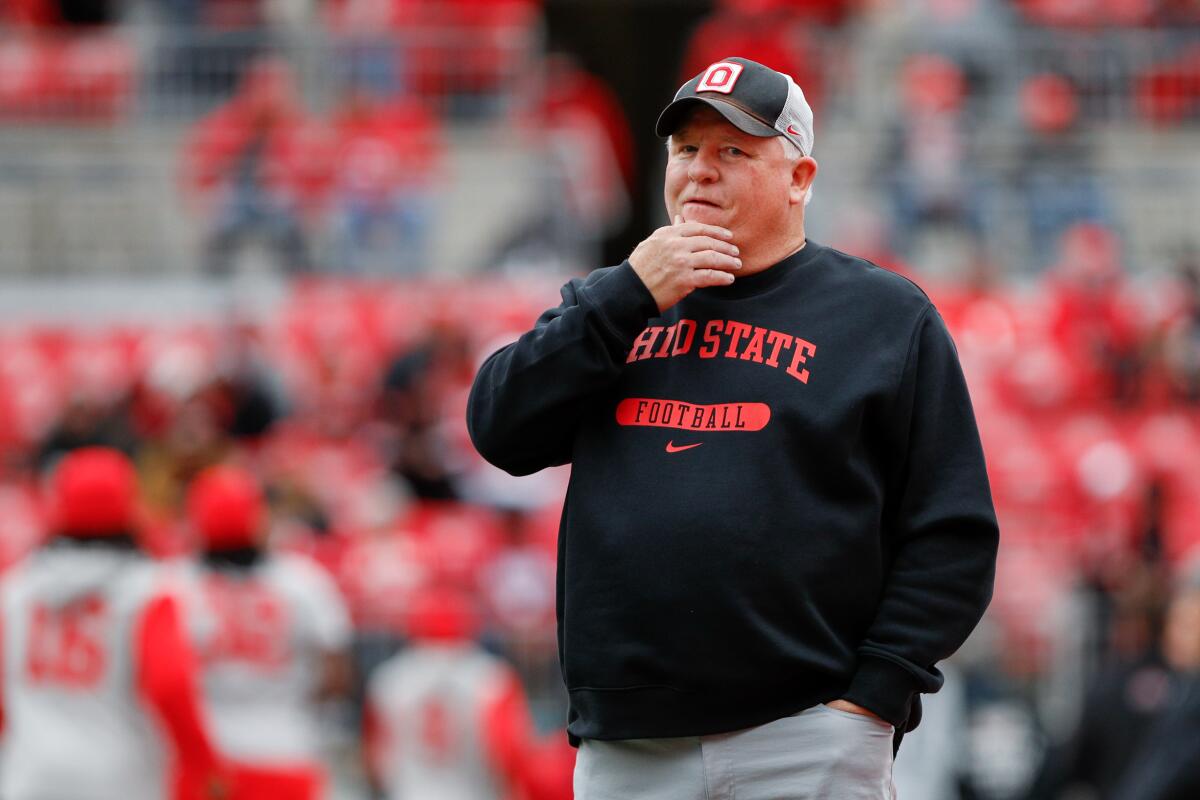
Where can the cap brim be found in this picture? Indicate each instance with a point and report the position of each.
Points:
(674, 114)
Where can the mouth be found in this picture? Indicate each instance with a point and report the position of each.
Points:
(698, 202)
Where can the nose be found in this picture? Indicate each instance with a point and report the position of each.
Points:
(703, 168)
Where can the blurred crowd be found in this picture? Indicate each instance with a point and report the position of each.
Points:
(319, 132)
(325, 129)
(346, 402)
(349, 409)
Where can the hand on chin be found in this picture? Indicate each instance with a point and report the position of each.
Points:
(700, 212)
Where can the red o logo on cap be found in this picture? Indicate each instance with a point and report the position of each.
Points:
(720, 77)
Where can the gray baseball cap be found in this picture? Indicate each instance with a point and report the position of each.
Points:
(754, 98)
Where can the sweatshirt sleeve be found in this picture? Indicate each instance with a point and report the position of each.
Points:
(528, 398)
(941, 529)
(166, 679)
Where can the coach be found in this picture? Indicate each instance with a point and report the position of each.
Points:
(778, 519)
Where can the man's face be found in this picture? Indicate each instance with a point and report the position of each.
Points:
(719, 175)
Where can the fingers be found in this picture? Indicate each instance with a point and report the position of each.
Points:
(710, 277)
(700, 229)
(679, 258)
(711, 259)
(699, 243)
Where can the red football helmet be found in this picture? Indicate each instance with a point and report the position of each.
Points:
(225, 504)
(94, 493)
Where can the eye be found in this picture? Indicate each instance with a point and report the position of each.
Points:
(736, 151)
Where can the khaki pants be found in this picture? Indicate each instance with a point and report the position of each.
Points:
(819, 754)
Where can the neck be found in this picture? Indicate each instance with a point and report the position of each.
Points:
(768, 257)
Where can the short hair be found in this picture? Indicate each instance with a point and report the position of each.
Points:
(793, 154)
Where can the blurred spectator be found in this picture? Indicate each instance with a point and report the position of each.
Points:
(928, 159)
(1167, 766)
(976, 35)
(444, 718)
(1055, 174)
(260, 165)
(64, 58)
(272, 633)
(1132, 686)
(85, 422)
(1178, 341)
(414, 438)
(383, 569)
(192, 442)
(372, 37)
(477, 53)
(460, 53)
(245, 393)
(579, 124)
(98, 687)
(516, 589)
(387, 171)
(1169, 92)
(1092, 318)
(209, 45)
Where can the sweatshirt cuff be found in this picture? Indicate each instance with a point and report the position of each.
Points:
(623, 301)
(884, 688)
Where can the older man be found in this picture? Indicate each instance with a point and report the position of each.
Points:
(778, 519)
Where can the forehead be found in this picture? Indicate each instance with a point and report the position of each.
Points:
(706, 121)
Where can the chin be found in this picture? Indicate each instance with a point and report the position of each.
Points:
(705, 214)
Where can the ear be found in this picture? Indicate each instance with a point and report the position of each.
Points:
(803, 174)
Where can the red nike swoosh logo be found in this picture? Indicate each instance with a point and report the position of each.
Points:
(793, 131)
(671, 448)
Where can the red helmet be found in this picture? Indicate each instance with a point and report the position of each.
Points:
(443, 613)
(94, 493)
(225, 504)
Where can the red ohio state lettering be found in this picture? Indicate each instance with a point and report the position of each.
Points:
(725, 338)
(644, 344)
(712, 339)
(683, 338)
(800, 356)
(646, 412)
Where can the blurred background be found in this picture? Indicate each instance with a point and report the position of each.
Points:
(284, 233)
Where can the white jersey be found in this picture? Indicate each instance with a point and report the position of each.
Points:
(430, 703)
(260, 634)
(76, 727)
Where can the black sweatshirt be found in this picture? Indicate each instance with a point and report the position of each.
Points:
(777, 498)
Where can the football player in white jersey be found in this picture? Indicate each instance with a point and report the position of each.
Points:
(272, 633)
(444, 718)
(98, 699)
